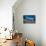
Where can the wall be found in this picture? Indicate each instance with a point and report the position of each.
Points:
(6, 13)
(43, 31)
(30, 31)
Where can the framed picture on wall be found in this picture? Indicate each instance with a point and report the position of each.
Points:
(29, 19)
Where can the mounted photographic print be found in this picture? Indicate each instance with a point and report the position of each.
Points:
(29, 19)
